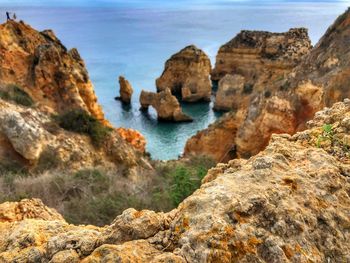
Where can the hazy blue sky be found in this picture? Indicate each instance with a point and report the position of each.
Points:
(147, 3)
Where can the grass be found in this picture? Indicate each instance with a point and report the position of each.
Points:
(96, 196)
(16, 94)
(80, 121)
(330, 141)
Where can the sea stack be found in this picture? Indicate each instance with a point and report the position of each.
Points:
(125, 90)
(167, 106)
(187, 74)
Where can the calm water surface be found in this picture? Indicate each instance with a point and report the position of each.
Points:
(135, 38)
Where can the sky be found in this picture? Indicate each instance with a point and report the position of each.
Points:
(147, 3)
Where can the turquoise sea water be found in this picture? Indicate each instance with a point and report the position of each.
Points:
(135, 38)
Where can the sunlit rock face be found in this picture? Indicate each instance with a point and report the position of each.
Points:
(125, 90)
(259, 55)
(38, 62)
(46, 80)
(289, 203)
(187, 74)
(167, 106)
(272, 102)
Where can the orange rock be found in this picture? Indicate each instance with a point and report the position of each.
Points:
(134, 137)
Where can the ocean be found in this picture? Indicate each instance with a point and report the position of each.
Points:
(135, 38)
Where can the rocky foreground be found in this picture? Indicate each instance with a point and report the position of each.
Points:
(289, 203)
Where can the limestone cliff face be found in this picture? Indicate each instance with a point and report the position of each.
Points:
(290, 203)
(187, 73)
(231, 93)
(287, 103)
(259, 56)
(31, 138)
(38, 62)
(56, 81)
(167, 106)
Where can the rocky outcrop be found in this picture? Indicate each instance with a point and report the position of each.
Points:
(261, 56)
(27, 209)
(56, 78)
(40, 78)
(187, 74)
(32, 139)
(133, 137)
(167, 106)
(230, 93)
(290, 203)
(125, 90)
(287, 103)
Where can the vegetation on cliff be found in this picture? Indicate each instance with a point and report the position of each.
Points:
(97, 196)
(81, 121)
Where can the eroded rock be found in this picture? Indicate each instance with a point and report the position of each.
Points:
(187, 73)
(125, 90)
(27, 209)
(289, 203)
(230, 93)
(278, 103)
(167, 106)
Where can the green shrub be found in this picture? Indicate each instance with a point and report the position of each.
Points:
(179, 180)
(82, 122)
(185, 181)
(14, 93)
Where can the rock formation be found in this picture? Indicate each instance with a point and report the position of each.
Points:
(187, 74)
(134, 137)
(167, 106)
(125, 90)
(320, 79)
(27, 209)
(290, 203)
(56, 78)
(261, 56)
(39, 78)
(230, 93)
(30, 138)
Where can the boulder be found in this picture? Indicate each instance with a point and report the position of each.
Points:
(187, 74)
(125, 90)
(230, 93)
(27, 209)
(167, 106)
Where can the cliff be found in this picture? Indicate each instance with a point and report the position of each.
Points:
(41, 84)
(281, 105)
(259, 55)
(290, 203)
(52, 75)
